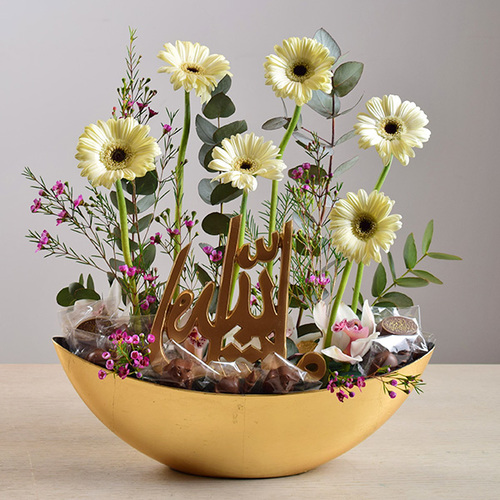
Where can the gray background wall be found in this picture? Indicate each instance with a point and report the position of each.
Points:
(62, 61)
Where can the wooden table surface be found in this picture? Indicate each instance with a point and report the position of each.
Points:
(441, 444)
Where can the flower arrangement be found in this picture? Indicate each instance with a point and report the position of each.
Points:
(134, 214)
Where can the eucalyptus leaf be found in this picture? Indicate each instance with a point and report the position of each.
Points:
(344, 167)
(275, 123)
(410, 252)
(291, 348)
(114, 200)
(325, 104)
(143, 223)
(147, 184)
(223, 193)
(379, 280)
(346, 77)
(216, 223)
(324, 38)
(73, 287)
(205, 156)
(213, 304)
(427, 239)
(427, 276)
(398, 299)
(146, 258)
(205, 130)
(443, 256)
(84, 293)
(133, 245)
(411, 282)
(146, 202)
(219, 106)
(64, 298)
(205, 189)
(345, 137)
(391, 265)
(223, 86)
(349, 109)
(115, 263)
(237, 127)
(306, 329)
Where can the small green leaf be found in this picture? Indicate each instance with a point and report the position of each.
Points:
(213, 304)
(391, 265)
(205, 189)
(411, 282)
(142, 223)
(275, 123)
(237, 127)
(73, 287)
(324, 104)
(385, 303)
(443, 256)
(205, 156)
(146, 202)
(114, 201)
(147, 184)
(410, 252)
(345, 137)
(219, 106)
(223, 193)
(118, 239)
(203, 276)
(346, 77)
(324, 38)
(307, 328)
(115, 263)
(65, 298)
(223, 86)
(379, 280)
(80, 279)
(344, 167)
(398, 299)
(216, 223)
(427, 276)
(90, 283)
(84, 293)
(205, 130)
(426, 240)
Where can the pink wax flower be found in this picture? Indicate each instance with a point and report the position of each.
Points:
(166, 128)
(253, 299)
(312, 279)
(323, 280)
(131, 271)
(208, 249)
(305, 188)
(44, 239)
(141, 105)
(78, 201)
(110, 364)
(215, 256)
(306, 166)
(189, 223)
(145, 305)
(36, 205)
(151, 299)
(152, 113)
(123, 371)
(123, 268)
(173, 232)
(102, 374)
(61, 217)
(150, 277)
(151, 338)
(58, 188)
(297, 173)
(155, 239)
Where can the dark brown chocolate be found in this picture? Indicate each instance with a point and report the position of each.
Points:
(229, 385)
(397, 325)
(179, 373)
(281, 380)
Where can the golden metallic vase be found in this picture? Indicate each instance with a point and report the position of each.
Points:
(226, 435)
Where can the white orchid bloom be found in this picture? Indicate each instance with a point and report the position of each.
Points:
(351, 338)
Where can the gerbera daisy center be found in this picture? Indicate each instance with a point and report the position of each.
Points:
(118, 155)
(192, 68)
(391, 128)
(115, 156)
(246, 165)
(299, 72)
(364, 226)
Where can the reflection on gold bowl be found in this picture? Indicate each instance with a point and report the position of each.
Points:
(225, 435)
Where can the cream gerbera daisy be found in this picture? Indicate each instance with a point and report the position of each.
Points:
(393, 127)
(193, 67)
(242, 157)
(116, 149)
(362, 226)
(299, 67)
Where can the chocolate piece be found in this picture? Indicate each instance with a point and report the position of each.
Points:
(397, 325)
(229, 385)
(381, 359)
(95, 357)
(179, 373)
(251, 380)
(281, 380)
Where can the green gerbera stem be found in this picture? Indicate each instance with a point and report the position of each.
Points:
(241, 239)
(179, 172)
(359, 274)
(274, 191)
(336, 304)
(122, 210)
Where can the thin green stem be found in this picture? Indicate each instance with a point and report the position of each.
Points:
(359, 274)
(336, 304)
(122, 210)
(274, 192)
(357, 287)
(241, 239)
(179, 172)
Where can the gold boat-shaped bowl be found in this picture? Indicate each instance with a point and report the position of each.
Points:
(225, 435)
